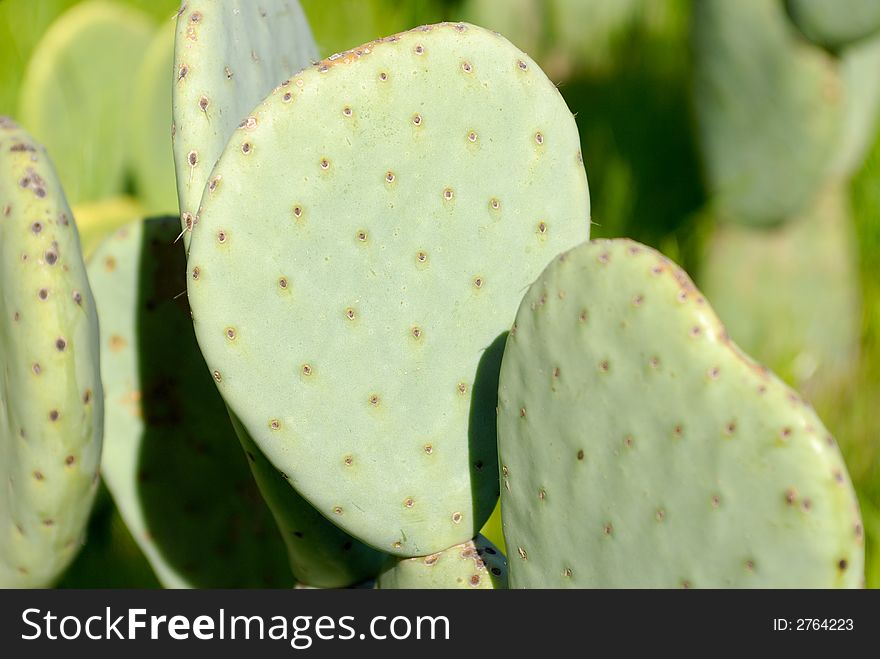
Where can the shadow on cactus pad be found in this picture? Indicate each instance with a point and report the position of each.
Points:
(172, 460)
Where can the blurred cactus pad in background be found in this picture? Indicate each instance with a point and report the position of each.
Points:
(440, 293)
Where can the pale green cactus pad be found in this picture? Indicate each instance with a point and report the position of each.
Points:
(476, 564)
(352, 318)
(835, 23)
(789, 295)
(769, 108)
(77, 94)
(492, 528)
(51, 402)
(152, 162)
(171, 453)
(640, 447)
(227, 57)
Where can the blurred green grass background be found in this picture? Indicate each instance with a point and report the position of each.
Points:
(628, 83)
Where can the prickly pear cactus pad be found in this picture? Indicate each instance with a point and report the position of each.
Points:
(227, 56)
(172, 454)
(77, 94)
(409, 191)
(51, 402)
(640, 448)
(769, 109)
(835, 23)
(476, 564)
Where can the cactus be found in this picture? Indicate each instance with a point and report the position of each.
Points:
(769, 109)
(51, 403)
(475, 564)
(82, 70)
(227, 57)
(394, 237)
(835, 23)
(161, 402)
(790, 295)
(150, 127)
(640, 447)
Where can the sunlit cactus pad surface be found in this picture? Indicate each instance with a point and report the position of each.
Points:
(639, 447)
(353, 319)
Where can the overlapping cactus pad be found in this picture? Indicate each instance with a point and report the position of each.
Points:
(51, 401)
(227, 56)
(640, 448)
(363, 244)
(172, 459)
(476, 564)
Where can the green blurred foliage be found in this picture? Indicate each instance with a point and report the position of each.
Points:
(344, 24)
(852, 412)
(23, 22)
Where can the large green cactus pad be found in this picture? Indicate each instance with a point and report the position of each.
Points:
(51, 403)
(172, 459)
(408, 193)
(789, 295)
(769, 109)
(835, 23)
(76, 95)
(640, 448)
(474, 564)
(227, 57)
